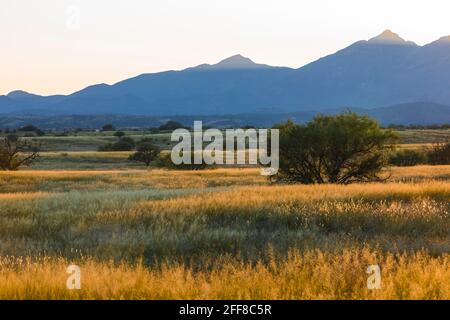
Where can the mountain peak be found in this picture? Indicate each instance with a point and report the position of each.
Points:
(236, 62)
(20, 94)
(389, 37)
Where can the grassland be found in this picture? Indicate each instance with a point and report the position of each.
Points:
(422, 136)
(90, 141)
(222, 233)
(219, 233)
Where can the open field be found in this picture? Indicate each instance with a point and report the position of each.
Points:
(222, 233)
(90, 141)
(411, 136)
(116, 180)
(85, 160)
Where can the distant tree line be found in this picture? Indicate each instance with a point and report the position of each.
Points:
(26, 131)
(32, 130)
(437, 154)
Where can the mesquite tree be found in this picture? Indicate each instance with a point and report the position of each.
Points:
(340, 149)
(16, 152)
(146, 152)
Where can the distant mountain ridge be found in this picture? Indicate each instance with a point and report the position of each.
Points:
(385, 70)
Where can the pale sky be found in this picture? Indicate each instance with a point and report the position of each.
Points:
(46, 50)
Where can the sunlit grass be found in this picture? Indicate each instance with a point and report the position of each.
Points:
(22, 196)
(307, 275)
(222, 233)
(68, 180)
(420, 173)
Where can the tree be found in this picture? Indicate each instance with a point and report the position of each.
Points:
(31, 128)
(170, 125)
(440, 153)
(341, 149)
(124, 144)
(119, 134)
(165, 161)
(108, 127)
(408, 158)
(15, 152)
(146, 152)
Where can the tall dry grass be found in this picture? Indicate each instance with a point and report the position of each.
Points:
(75, 180)
(221, 233)
(306, 275)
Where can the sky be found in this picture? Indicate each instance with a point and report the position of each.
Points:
(61, 46)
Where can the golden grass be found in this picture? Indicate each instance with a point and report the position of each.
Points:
(414, 146)
(307, 275)
(22, 196)
(284, 194)
(81, 154)
(67, 180)
(222, 234)
(423, 172)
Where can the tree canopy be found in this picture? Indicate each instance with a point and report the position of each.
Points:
(341, 149)
(146, 152)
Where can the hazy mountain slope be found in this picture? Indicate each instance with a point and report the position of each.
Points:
(233, 85)
(369, 74)
(385, 70)
(224, 88)
(23, 102)
(6, 104)
(423, 113)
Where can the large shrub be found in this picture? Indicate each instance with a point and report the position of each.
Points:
(341, 149)
(407, 158)
(440, 153)
(108, 127)
(170, 126)
(146, 152)
(164, 161)
(124, 144)
(31, 129)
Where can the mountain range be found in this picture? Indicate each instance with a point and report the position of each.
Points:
(393, 79)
